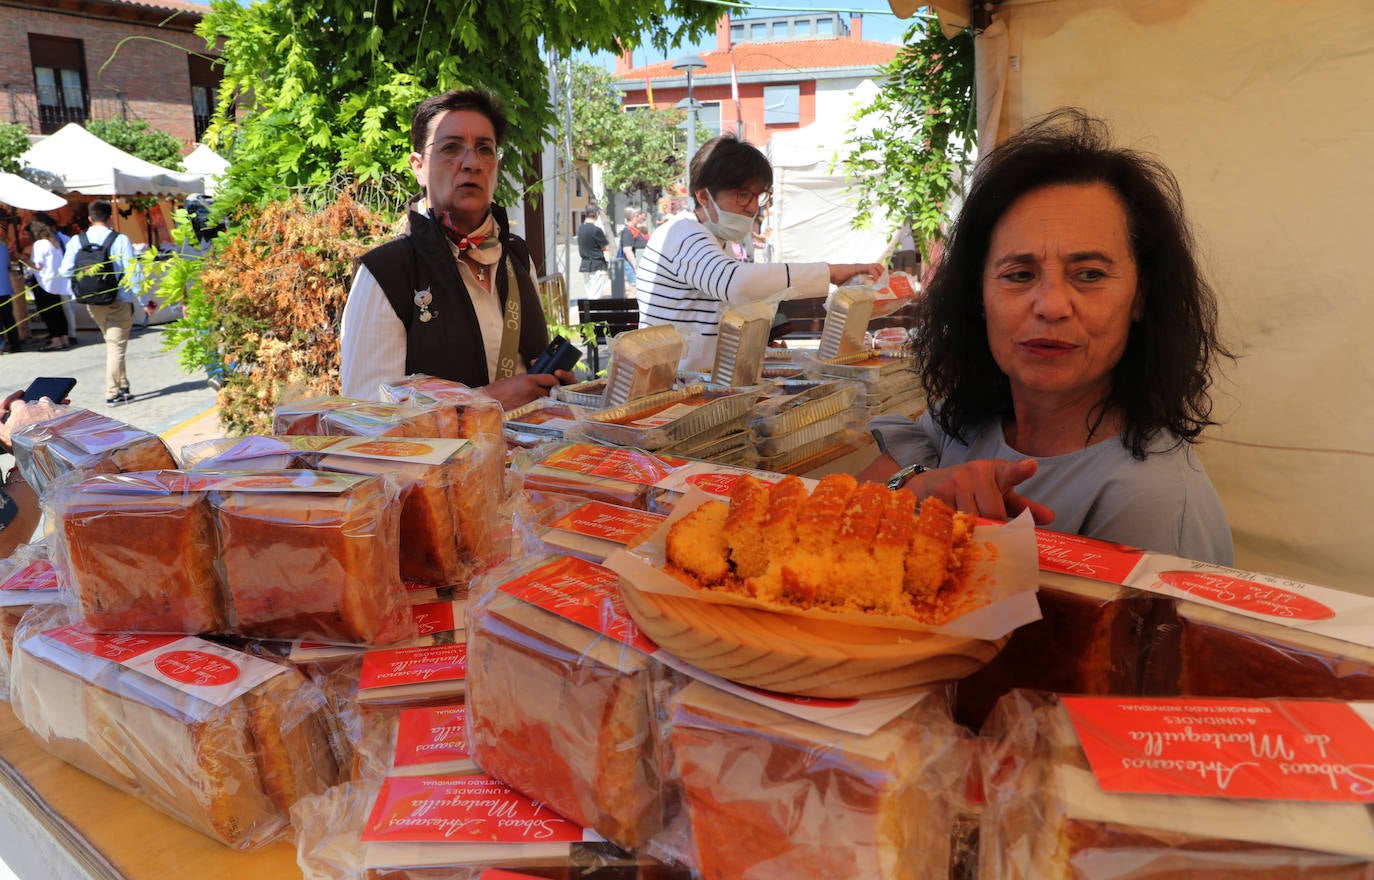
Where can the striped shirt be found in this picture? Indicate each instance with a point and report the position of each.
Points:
(686, 279)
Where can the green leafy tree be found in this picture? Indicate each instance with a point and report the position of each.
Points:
(14, 142)
(638, 149)
(923, 132)
(136, 137)
(328, 85)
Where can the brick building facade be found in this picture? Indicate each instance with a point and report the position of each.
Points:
(76, 60)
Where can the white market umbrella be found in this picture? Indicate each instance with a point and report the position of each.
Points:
(17, 192)
(90, 166)
(208, 164)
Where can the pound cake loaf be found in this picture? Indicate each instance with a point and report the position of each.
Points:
(845, 547)
(138, 551)
(770, 796)
(1049, 818)
(222, 740)
(88, 443)
(313, 555)
(560, 711)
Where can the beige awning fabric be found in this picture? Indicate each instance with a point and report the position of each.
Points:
(992, 54)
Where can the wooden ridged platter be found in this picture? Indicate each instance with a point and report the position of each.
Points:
(790, 654)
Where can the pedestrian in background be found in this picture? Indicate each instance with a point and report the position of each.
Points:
(632, 240)
(591, 247)
(49, 287)
(114, 318)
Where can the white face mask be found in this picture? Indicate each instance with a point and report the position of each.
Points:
(728, 227)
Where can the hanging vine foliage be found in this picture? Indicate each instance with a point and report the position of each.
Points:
(924, 133)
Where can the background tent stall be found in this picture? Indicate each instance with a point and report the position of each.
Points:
(813, 206)
(211, 166)
(1251, 106)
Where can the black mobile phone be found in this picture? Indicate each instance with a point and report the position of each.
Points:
(560, 355)
(54, 389)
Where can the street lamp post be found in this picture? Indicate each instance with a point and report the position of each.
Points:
(687, 64)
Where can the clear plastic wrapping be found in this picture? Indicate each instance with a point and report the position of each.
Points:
(846, 321)
(411, 741)
(671, 417)
(643, 362)
(342, 416)
(27, 580)
(545, 417)
(338, 837)
(283, 554)
(770, 796)
(86, 443)
(221, 740)
(590, 394)
(558, 707)
(1048, 818)
(599, 473)
(742, 343)
(479, 415)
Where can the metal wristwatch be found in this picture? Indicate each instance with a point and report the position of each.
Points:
(899, 479)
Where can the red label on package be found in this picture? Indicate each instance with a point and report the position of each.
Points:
(1086, 557)
(37, 575)
(716, 484)
(611, 522)
(584, 593)
(613, 462)
(431, 735)
(462, 809)
(1247, 595)
(1256, 749)
(424, 665)
(196, 668)
(109, 646)
(433, 617)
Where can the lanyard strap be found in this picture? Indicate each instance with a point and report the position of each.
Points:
(510, 331)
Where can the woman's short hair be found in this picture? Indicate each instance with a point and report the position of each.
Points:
(478, 100)
(1162, 379)
(39, 230)
(726, 162)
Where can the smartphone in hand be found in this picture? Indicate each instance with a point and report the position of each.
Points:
(560, 355)
(52, 388)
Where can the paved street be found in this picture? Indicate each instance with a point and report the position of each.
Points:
(166, 399)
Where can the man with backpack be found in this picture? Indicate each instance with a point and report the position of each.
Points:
(105, 276)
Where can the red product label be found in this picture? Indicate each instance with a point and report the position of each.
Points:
(716, 484)
(611, 522)
(196, 668)
(400, 666)
(433, 617)
(37, 575)
(1247, 595)
(1086, 557)
(584, 593)
(1258, 749)
(109, 646)
(613, 462)
(462, 809)
(431, 735)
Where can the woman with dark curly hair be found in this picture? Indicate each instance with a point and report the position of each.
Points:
(1066, 343)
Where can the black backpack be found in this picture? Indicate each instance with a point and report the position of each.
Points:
(94, 279)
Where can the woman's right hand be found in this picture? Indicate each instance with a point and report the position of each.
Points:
(984, 487)
(842, 272)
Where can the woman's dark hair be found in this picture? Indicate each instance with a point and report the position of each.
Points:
(726, 162)
(1161, 381)
(479, 100)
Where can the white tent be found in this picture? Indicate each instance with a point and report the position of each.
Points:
(211, 166)
(813, 206)
(17, 192)
(90, 166)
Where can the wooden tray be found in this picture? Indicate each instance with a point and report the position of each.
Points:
(790, 654)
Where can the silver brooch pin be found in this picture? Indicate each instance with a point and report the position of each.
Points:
(422, 300)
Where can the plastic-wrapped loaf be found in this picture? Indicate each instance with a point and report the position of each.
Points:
(88, 443)
(304, 416)
(446, 828)
(625, 477)
(479, 416)
(558, 698)
(274, 453)
(1174, 790)
(139, 552)
(1196, 649)
(643, 362)
(310, 554)
(411, 741)
(27, 581)
(770, 796)
(221, 740)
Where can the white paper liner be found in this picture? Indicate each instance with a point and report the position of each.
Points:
(1013, 574)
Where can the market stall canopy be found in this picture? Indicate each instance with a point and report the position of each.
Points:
(90, 166)
(17, 192)
(211, 166)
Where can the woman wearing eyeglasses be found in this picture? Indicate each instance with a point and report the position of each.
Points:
(686, 276)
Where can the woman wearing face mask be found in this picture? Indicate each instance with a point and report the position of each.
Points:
(686, 277)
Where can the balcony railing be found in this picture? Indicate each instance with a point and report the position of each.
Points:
(21, 106)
